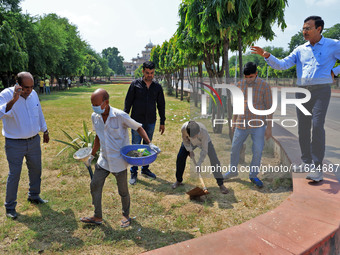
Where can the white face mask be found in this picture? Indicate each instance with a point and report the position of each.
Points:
(98, 109)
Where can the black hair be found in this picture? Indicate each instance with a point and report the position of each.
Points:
(249, 68)
(23, 75)
(192, 128)
(318, 21)
(149, 65)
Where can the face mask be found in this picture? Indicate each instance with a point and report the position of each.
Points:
(98, 109)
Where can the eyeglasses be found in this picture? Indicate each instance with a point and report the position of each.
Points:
(307, 28)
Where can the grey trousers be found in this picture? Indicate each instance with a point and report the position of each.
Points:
(97, 184)
(16, 150)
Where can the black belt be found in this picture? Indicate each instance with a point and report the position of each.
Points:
(23, 139)
(313, 87)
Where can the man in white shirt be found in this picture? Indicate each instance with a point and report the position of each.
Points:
(22, 118)
(111, 126)
(195, 134)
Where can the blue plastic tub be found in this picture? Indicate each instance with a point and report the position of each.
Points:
(138, 161)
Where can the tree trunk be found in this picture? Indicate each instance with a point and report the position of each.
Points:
(240, 52)
(227, 81)
(181, 77)
(243, 150)
(200, 77)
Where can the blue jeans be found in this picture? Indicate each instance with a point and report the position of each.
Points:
(137, 139)
(48, 91)
(257, 136)
(312, 143)
(16, 150)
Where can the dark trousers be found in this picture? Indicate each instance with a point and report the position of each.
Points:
(182, 159)
(311, 128)
(97, 184)
(16, 150)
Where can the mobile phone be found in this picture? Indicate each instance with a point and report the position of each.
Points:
(19, 88)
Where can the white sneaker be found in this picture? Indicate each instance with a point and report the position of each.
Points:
(316, 176)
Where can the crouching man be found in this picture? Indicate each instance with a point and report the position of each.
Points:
(195, 134)
(111, 126)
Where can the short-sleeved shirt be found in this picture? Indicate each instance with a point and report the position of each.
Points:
(262, 100)
(41, 83)
(47, 82)
(113, 135)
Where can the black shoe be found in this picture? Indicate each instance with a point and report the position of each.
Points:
(37, 200)
(11, 213)
(133, 179)
(148, 173)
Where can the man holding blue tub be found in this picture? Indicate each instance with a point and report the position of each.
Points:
(111, 126)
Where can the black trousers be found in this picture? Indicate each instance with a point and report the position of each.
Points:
(182, 159)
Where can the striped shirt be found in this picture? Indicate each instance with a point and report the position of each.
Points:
(262, 100)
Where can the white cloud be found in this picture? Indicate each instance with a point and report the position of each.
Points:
(152, 33)
(321, 3)
(78, 19)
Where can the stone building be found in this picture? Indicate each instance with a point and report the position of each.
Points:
(137, 61)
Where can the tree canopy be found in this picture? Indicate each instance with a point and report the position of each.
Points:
(115, 61)
(45, 45)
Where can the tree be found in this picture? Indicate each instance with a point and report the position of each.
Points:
(94, 64)
(333, 32)
(296, 40)
(163, 65)
(54, 44)
(154, 57)
(115, 61)
(192, 51)
(10, 5)
(13, 56)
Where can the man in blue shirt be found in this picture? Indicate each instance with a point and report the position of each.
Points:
(315, 70)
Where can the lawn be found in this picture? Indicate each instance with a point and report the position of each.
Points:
(161, 216)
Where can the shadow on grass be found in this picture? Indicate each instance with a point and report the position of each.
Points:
(148, 238)
(159, 185)
(54, 230)
(270, 185)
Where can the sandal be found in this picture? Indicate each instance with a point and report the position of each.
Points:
(91, 220)
(125, 223)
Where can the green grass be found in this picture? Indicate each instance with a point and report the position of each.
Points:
(161, 216)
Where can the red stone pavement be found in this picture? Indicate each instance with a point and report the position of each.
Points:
(308, 222)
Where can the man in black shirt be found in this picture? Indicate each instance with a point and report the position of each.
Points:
(144, 95)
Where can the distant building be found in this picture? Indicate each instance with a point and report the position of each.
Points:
(136, 62)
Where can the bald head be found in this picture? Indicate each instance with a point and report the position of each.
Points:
(26, 81)
(100, 94)
(100, 102)
(23, 76)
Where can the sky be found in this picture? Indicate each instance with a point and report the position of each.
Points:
(129, 25)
